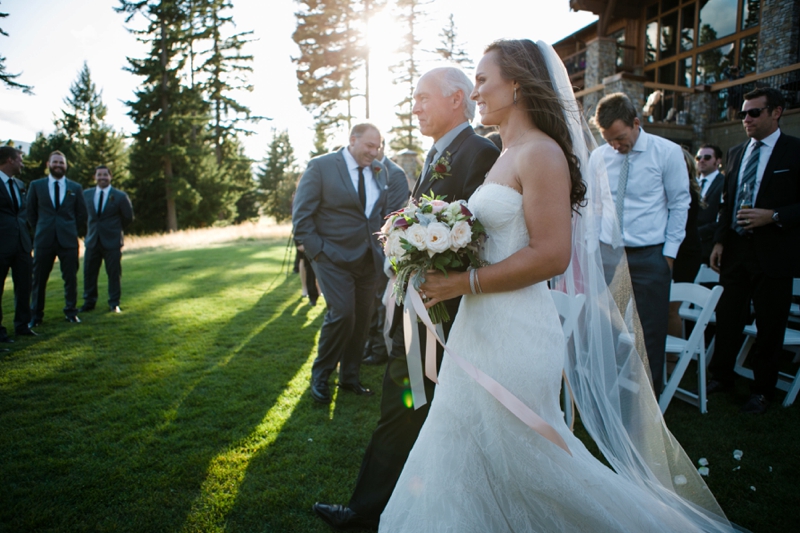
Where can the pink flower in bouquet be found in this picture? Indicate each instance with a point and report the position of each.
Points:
(460, 235)
(438, 206)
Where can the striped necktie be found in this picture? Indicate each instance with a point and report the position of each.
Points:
(622, 185)
(749, 181)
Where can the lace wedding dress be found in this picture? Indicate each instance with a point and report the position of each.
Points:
(477, 468)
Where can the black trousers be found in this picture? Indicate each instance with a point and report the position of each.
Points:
(398, 426)
(744, 280)
(349, 294)
(92, 257)
(20, 264)
(43, 260)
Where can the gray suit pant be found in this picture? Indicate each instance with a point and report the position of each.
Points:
(92, 257)
(43, 260)
(349, 294)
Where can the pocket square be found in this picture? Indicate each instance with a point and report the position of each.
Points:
(781, 171)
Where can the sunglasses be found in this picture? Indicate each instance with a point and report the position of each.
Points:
(754, 113)
(704, 157)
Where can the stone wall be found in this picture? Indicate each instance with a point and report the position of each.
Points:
(779, 37)
(601, 62)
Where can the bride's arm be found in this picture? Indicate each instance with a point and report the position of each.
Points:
(543, 176)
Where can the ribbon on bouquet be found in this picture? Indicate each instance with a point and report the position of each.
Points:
(415, 307)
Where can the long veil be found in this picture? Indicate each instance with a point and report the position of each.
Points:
(609, 379)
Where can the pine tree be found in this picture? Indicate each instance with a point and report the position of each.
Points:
(8, 79)
(450, 49)
(278, 178)
(331, 53)
(408, 74)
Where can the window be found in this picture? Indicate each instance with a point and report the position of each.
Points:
(748, 54)
(669, 32)
(750, 13)
(619, 36)
(666, 74)
(685, 72)
(687, 28)
(713, 65)
(651, 38)
(652, 11)
(717, 19)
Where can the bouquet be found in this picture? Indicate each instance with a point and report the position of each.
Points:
(431, 234)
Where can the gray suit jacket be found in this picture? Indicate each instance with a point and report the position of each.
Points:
(107, 228)
(327, 215)
(55, 228)
(13, 224)
(398, 192)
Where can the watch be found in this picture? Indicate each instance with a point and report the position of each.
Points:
(775, 218)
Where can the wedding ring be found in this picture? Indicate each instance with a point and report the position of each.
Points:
(747, 222)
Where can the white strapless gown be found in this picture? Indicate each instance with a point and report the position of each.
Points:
(477, 468)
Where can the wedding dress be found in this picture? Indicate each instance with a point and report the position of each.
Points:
(476, 467)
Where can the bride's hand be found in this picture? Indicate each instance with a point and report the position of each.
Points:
(438, 287)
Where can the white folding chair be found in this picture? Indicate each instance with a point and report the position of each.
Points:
(690, 313)
(705, 301)
(569, 308)
(791, 342)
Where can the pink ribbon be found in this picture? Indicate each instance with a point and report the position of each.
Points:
(499, 392)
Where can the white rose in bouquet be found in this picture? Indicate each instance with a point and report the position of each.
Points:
(417, 236)
(393, 247)
(460, 235)
(438, 240)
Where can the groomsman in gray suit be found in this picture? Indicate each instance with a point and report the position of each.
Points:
(338, 207)
(15, 245)
(55, 210)
(110, 212)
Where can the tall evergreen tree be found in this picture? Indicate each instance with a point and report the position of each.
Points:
(450, 49)
(331, 53)
(278, 178)
(8, 79)
(407, 72)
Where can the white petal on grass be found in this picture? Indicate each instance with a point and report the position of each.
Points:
(702, 461)
(737, 454)
(703, 471)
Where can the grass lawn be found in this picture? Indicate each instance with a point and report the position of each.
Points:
(190, 411)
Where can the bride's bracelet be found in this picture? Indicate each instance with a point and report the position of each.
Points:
(474, 282)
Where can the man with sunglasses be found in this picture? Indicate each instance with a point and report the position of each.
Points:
(709, 158)
(757, 250)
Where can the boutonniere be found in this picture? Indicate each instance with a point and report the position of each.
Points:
(70, 193)
(376, 170)
(441, 168)
(111, 198)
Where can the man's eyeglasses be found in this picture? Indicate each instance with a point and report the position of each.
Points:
(754, 113)
(704, 157)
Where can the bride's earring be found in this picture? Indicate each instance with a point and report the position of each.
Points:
(515, 95)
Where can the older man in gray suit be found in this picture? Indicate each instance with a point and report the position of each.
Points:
(110, 211)
(338, 207)
(56, 210)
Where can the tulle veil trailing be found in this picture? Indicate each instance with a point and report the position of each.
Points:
(608, 376)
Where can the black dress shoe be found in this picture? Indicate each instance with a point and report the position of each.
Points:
(375, 360)
(757, 404)
(73, 318)
(85, 308)
(320, 392)
(343, 518)
(114, 309)
(27, 332)
(356, 388)
(714, 386)
(6, 338)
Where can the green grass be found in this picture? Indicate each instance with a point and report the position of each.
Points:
(190, 411)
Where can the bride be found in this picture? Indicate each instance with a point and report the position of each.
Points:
(476, 467)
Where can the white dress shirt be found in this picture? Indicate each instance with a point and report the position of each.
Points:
(106, 192)
(8, 182)
(62, 189)
(763, 158)
(707, 184)
(657, 198)
(370, 186)
(445, 140)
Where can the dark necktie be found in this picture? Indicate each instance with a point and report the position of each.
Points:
(428, 160)
(702, 185)
(749, 181)
(362, 190)
(57, 195)
(100, 205)
(13, 195)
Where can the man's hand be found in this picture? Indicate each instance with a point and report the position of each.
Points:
(754, 218)
(716, 258)
(670, 261)
(301, 248)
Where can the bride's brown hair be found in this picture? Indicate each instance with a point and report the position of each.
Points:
(523, 62)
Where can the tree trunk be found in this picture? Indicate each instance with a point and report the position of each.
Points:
(172, 216)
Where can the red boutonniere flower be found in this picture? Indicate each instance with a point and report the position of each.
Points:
(376, 170)
(441, 167)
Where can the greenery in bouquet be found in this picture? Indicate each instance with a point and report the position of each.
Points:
(431, 234)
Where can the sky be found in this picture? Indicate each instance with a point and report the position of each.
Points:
(49, 40)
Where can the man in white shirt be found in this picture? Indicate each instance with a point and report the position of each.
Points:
(649, 182)
(709, 158)
(757, 250)
(338, 208)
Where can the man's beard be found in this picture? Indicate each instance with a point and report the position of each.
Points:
(57, 173)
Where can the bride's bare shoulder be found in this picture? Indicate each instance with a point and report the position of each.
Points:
(541, 156)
